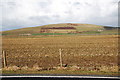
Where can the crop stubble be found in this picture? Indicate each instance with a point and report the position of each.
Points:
(83, 51)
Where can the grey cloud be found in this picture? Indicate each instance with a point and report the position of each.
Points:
(11, 24)
(77, 3)
(56, 16)
(40, 20)
(88, 4)
(24, 13)
(11, 3)
(43, 4)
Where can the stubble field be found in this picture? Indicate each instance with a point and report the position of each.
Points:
(87, 53)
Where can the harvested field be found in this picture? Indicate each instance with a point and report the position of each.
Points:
(98, 52)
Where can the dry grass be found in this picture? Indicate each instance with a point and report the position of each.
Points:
(109, 69)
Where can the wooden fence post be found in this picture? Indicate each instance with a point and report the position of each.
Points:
(4, 59)
(60, 51)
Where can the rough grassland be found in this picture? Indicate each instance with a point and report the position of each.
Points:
(35, 30)
(88, 53)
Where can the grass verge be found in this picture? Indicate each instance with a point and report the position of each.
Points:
(64, 72)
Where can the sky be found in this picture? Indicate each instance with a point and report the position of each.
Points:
(17, 14)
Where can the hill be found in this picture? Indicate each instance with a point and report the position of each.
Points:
(65, 28)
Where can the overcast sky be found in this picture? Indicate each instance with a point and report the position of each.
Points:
(28, 13)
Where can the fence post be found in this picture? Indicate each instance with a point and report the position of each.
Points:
(4, 59)
(60, 51)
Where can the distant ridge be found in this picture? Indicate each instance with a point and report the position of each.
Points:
(110, 27)
(63, 28)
